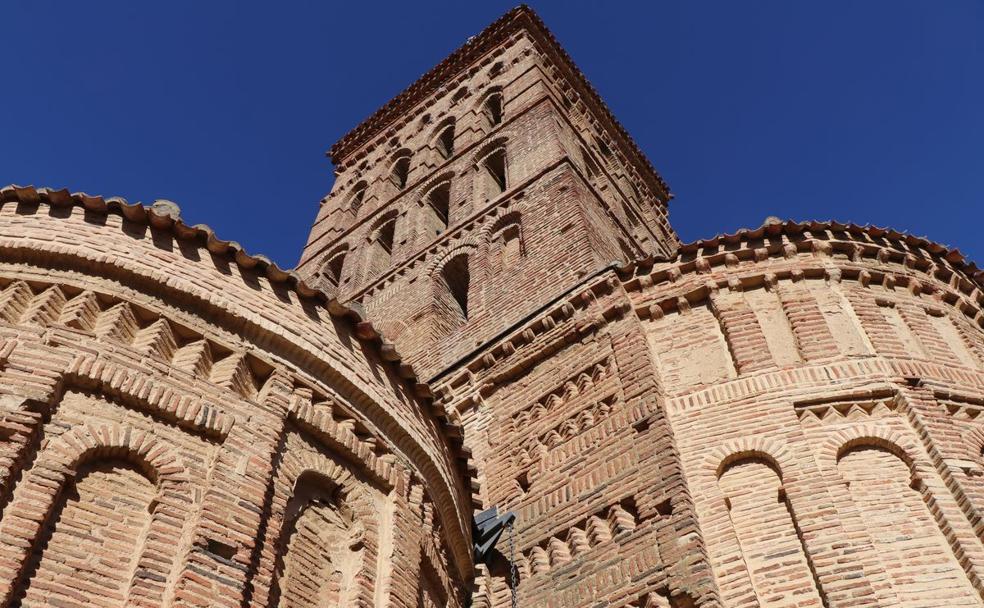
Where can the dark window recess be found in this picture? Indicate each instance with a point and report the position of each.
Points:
(445, 142)
(333, 269)
(665, 508)
(439, 200)
(401, 171)
(493, 109)
(523, 481)
(385, 235)
(355, 202)
(495, 166)
(455, 275)
(220, 549)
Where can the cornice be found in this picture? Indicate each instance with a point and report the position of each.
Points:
(517, 19)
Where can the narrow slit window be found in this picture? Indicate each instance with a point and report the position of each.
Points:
(495, 168)
(401, 172)
(445, 142)
(439, 201)
(455, 275)
(493, 109)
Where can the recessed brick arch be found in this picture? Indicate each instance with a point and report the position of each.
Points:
(467, 246)
(490, 147)
(377, 223)
(722, 457)
(433, 182)
(55, 467)
(749, 474)
(836, 446)
(317, 468)
(899, 499)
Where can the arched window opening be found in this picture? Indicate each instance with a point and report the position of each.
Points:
(492, 108)
(445, 142)
(589, 164)
(494, 166)
(331, 272)
(357, 197)
(507, 242)
(381, 252)
(511, 245)
(459, 95)
(604, 149)
(401, 172)
(384, 237)
(454, 275)
(439, 204)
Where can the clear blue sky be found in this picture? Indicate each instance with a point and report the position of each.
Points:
(865, 111)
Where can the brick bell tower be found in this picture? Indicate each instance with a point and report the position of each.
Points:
(488, 188)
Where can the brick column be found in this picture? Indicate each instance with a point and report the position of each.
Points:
(665, 498)
(741, 329)
(813, 337)
(225, 552)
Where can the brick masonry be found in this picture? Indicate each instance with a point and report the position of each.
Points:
(785, 416)
(185, 425)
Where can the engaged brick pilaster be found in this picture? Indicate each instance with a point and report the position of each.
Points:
(668, 504)
(813, 338)
(225, 553)
(883, 335)
(741, 328)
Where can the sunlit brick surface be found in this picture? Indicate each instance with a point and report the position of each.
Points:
(182, 428)
(789, 416)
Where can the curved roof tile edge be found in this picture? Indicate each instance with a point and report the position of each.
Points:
(165, 215)
(792, 227)
(428, 83)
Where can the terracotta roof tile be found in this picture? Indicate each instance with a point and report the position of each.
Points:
(790, 227)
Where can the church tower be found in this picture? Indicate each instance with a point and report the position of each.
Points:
(491, 186)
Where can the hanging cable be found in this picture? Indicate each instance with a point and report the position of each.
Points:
(513, 570)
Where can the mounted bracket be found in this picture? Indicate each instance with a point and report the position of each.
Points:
(487, 527)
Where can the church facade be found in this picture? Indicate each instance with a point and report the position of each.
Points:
(492, 310)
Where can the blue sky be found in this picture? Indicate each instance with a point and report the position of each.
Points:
(865, 111)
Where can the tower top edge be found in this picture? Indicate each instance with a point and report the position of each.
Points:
(517, 19)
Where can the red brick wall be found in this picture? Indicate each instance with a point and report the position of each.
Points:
(178, 428)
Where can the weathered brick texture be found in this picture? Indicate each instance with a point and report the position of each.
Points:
(185, 425)
(786, 416)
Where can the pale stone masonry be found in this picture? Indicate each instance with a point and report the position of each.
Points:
(492, 310)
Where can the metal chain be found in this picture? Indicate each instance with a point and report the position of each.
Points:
(513, 570)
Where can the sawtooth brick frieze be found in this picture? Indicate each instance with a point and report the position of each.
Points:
(492, 310)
